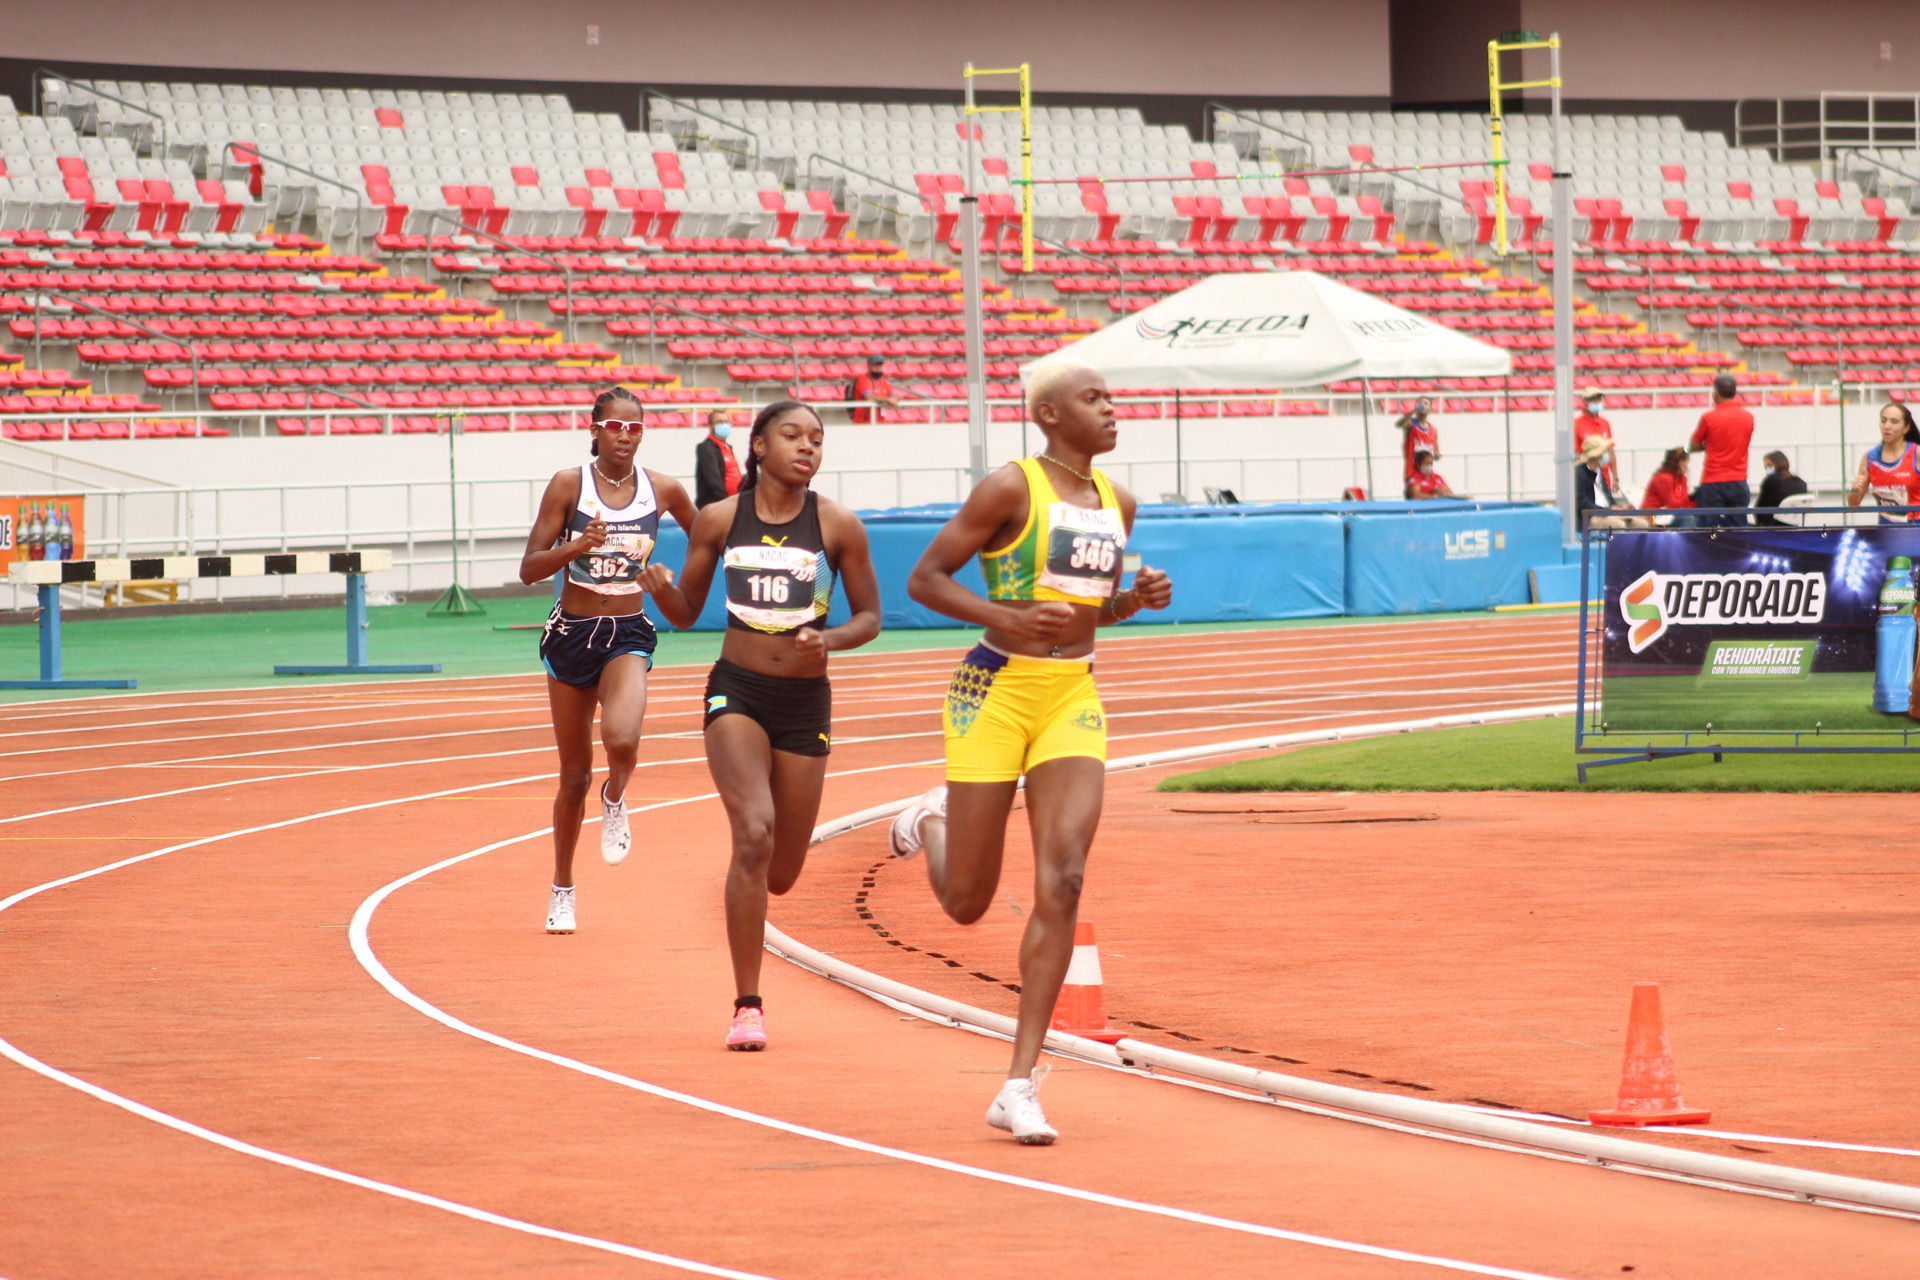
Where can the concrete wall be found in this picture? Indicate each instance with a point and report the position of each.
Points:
(1247, 47)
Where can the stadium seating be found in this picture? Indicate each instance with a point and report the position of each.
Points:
(280, 244)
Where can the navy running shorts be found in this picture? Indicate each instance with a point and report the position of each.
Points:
(576, 649)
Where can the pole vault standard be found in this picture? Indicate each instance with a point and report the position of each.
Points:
(1563, 449)
(976, 329)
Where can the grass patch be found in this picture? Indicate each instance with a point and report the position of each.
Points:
(1537, 755)
(1833, 701)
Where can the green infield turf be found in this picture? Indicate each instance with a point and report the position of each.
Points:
(1537, 755)
(1828, 701)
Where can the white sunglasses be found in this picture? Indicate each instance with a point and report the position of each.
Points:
(633, 427)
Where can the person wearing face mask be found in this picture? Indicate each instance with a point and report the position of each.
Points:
(716, 472)
(1588, 424)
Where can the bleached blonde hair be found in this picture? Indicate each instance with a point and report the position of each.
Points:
(1047, 379)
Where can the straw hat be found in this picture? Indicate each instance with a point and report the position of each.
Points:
(1594, 447)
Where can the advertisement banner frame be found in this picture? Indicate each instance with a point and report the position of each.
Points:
(1600, 603)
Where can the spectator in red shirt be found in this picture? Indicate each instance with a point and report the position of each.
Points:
(1418, 433)
(1589, 424)
(873, 387)
(716, 472)
(1724, 434)
(1425, 482)
(1667, 491)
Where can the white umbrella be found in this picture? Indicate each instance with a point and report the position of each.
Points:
(1275, 329)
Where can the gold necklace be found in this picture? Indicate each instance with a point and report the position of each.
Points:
(1084, 475)
(609, 479)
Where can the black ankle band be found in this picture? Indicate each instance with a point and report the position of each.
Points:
(746, 1002)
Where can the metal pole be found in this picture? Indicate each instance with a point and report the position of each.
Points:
(1026, 168)
(1506, 401)
(1840, 349)
(1562, 314)
(974, 318)
(1499, 149)
(975, 336)
(1366, 432)
(1179, 431)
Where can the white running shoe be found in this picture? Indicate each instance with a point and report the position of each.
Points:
(1017, 1110)
(904, 834)
(616, 837)
(560, 910)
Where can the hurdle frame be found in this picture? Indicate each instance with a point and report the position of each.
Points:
(49, 576)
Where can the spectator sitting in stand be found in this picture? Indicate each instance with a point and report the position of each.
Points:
(1779, 485)
(1592, 496)
(1425, 482)
(872, 388)
(1667, 490)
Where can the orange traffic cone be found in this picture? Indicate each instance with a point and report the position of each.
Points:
(1081, 1009)
(1649, 1089)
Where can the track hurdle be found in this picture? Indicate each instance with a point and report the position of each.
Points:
(50, 575)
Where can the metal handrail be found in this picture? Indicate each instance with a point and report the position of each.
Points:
(807, 174)
(807, 177)
(646, 119)
(1820, 125)
(359, 200)
(1861, 152)
(1114, 267)
(193, 350)
(566, 271)
(99, 93)
(1212, 107)
(653, 336)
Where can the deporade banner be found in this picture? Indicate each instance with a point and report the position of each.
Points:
(1759, 629)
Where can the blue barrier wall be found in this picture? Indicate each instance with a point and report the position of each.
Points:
(1226, 562)
(1431, 560)
(1277, 560)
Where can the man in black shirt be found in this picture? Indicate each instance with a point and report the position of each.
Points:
(1779, 485)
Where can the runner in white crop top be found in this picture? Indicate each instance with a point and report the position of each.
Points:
(597, 525)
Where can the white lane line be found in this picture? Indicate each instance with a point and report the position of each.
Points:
(278, 713)
(366, 1184)
(1320, 638)
(917, 688)
(31, 1063)
(317, 770)
(357, 933)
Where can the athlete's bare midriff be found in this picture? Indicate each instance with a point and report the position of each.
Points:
(1074, 641)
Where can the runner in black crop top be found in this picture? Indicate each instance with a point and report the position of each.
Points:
(768, 706)
(778, 578)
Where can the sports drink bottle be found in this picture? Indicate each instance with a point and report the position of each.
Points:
(1893, 639)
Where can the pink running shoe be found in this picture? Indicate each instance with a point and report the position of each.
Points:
(748, 1032)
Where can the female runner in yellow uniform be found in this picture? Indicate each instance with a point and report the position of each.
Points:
(1050, 532)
